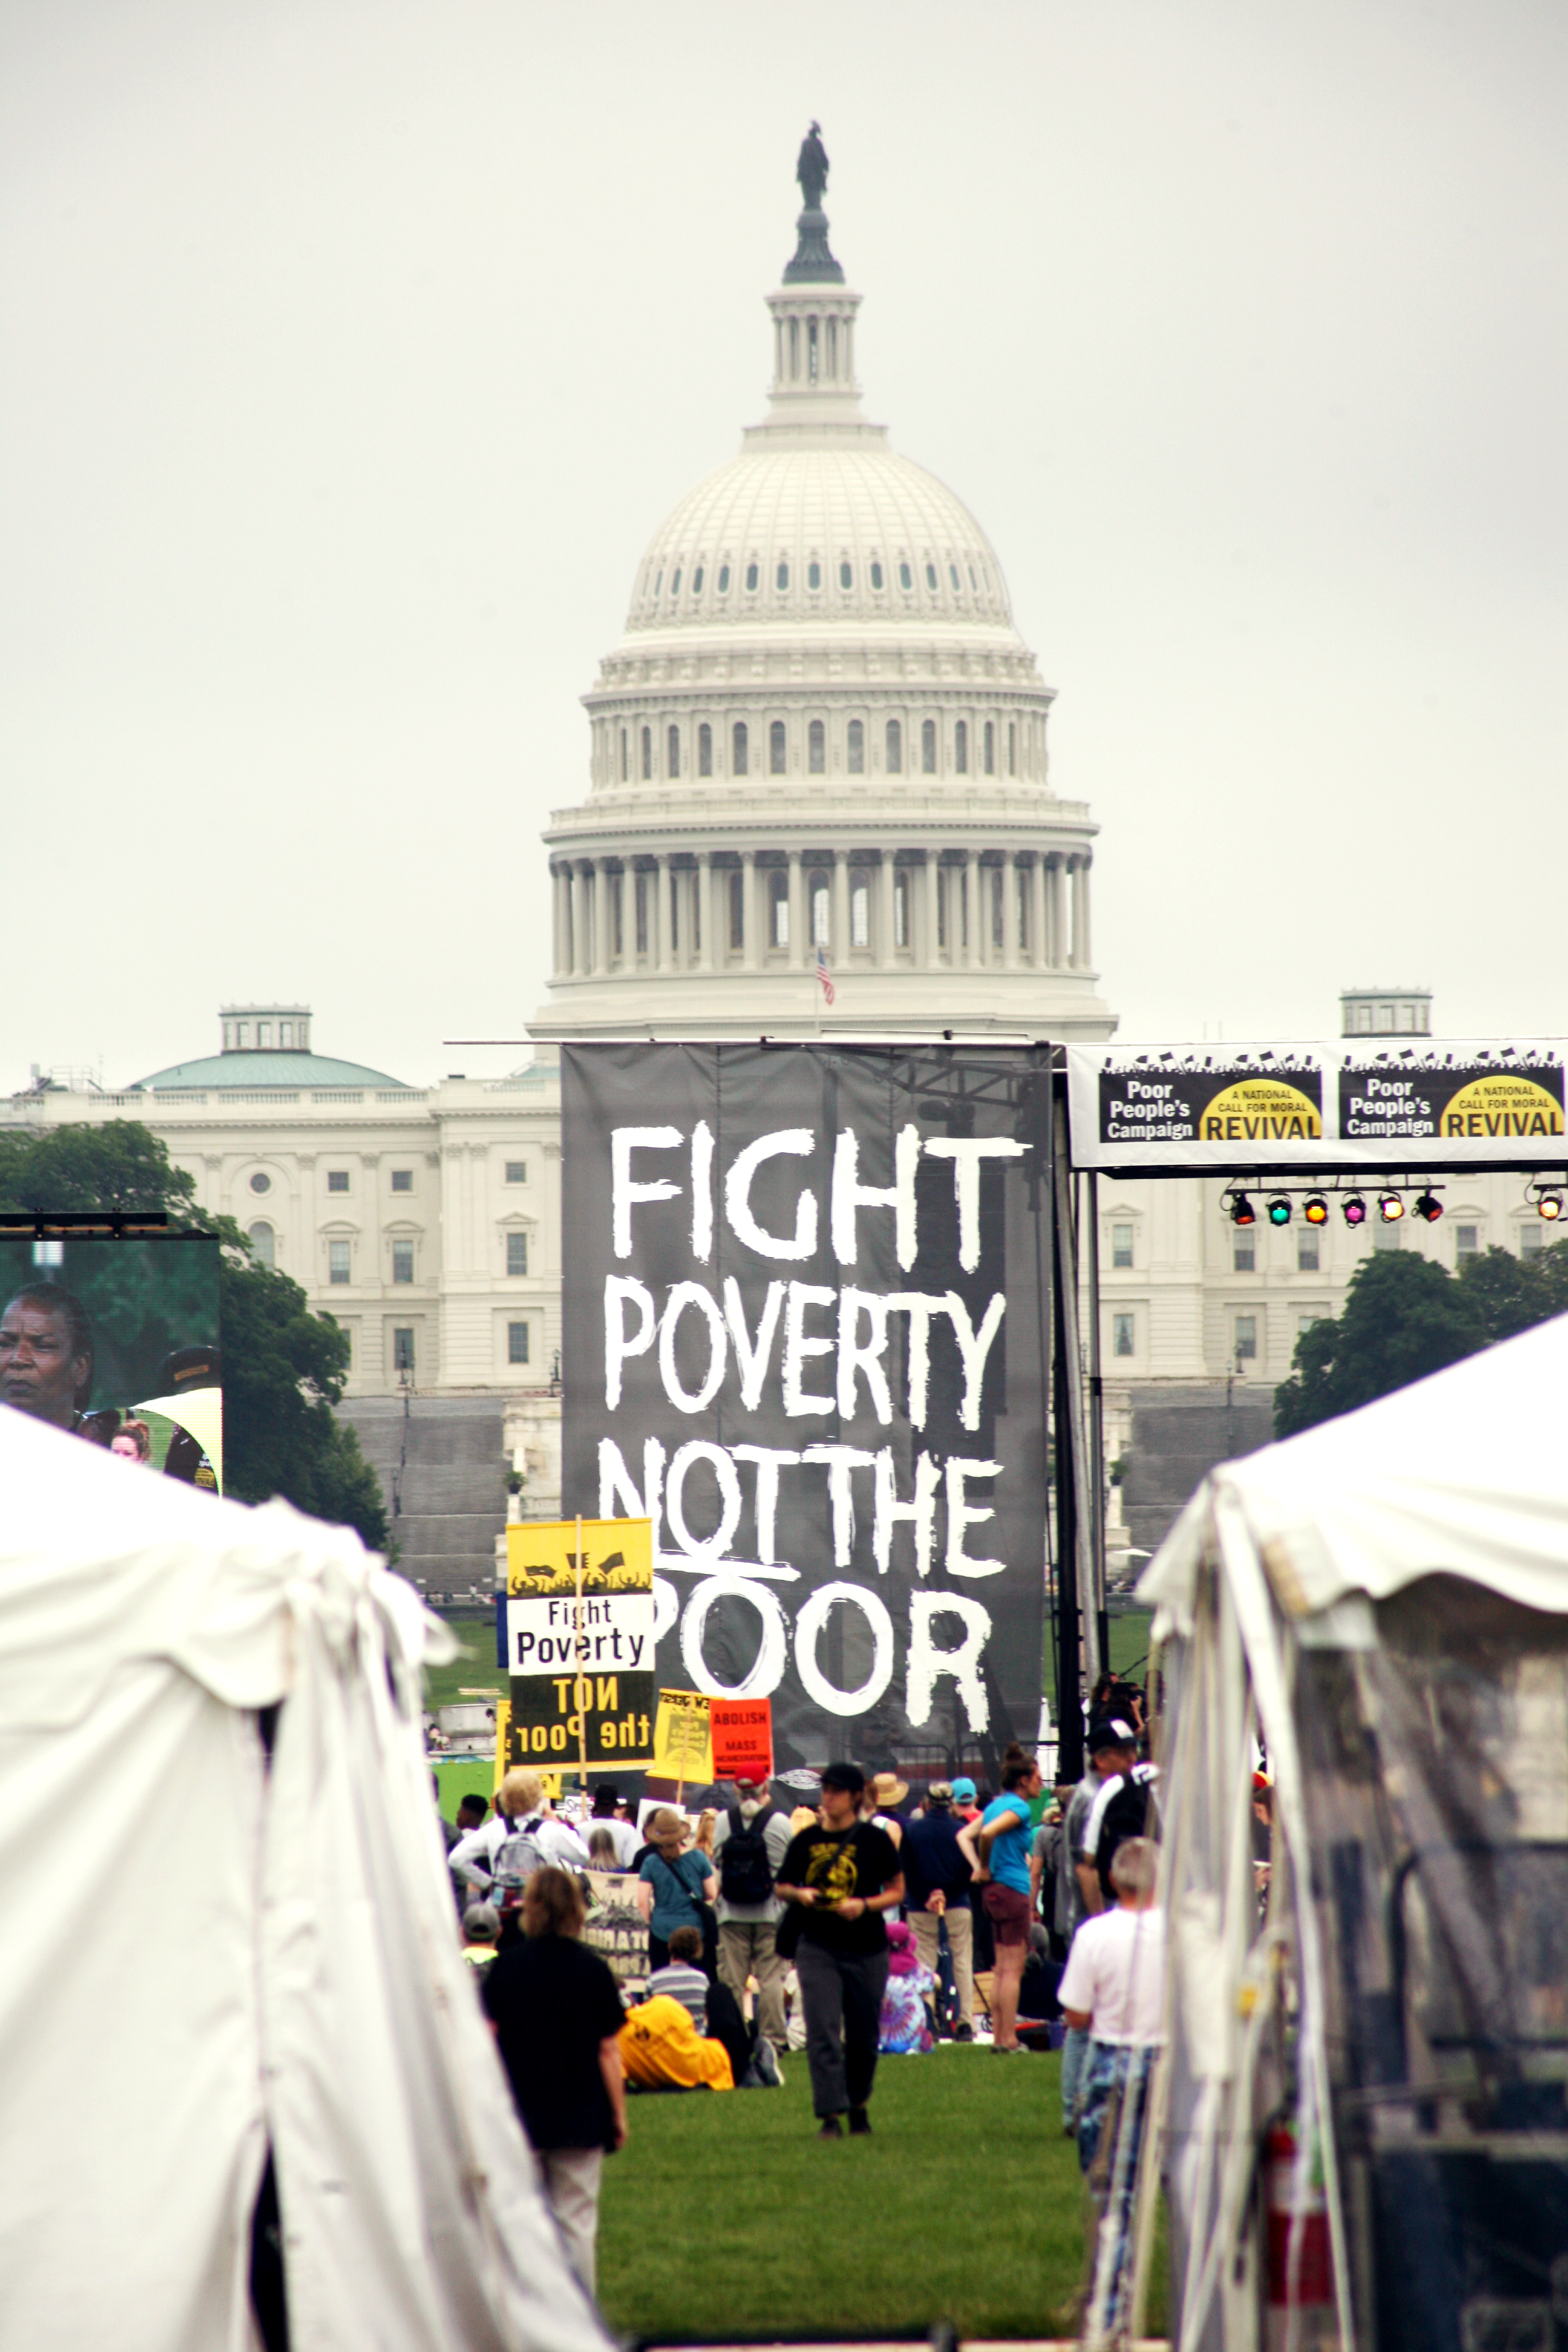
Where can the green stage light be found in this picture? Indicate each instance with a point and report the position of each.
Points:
(1279, 1210)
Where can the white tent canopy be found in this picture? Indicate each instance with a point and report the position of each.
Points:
(1462, 1476)
(207, 1954)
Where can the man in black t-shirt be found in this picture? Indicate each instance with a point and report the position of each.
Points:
(839, 1880)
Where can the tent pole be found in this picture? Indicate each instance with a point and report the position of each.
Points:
(1075, 1536)
(1096, 1410)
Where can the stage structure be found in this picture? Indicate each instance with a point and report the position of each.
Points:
(1312, 1127)
(808, 1304)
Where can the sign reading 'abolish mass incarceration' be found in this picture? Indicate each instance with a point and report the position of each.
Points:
(1379, 1103)
(806, 1318)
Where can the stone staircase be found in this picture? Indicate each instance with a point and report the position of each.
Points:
(443, 1472)
(1178, 1434)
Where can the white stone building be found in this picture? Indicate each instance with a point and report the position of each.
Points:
(820, 730)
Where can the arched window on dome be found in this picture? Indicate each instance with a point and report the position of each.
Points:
(895, 748)
(626, 757)
(906, 577)
(901, 907)
(857, 748)
(778, 907)
(973, 581)
(813, 574)
(952, 573)
(821, 936)
(675, 583)
(927, 746)
(751, 577)
(778, 762)
(658, 584)
(672, 751)
(264, 1243)
(738, 749)
(859, 908)
(705, 750)
(961, 747)
(697, 582)
(811, 349)
(930, 575)
(794, 349)
(737, 910)
(723, 580)
(781, 577)
(816, 747)
(876, 575)
(647, 752)
(1012, 748)
(846, 576)
(989, 749)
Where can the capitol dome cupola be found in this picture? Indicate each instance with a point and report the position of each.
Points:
(820, 732)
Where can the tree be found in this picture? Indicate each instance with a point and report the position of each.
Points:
(1404, 1316)
(1515, 1293)
(284, 1367)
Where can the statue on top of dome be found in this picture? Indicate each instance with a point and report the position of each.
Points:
(811, 169)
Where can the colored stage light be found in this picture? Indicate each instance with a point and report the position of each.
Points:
(1355, 1210)
(1548, 1205)
(1315, 1209)
(1242, 1211)
(1390, 1207)
(1279, 1210)
(1429, 1207)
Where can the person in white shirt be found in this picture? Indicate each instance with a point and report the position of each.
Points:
(621, 1834)
(519, 1804)
(1113, 1986)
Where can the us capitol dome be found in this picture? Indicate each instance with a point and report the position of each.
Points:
(819, 748)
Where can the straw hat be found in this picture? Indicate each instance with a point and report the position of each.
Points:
(886, 1789)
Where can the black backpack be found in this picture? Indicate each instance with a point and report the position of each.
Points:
(1126, 1816)
(744, 1875)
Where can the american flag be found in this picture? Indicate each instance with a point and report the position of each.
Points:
(824, 975)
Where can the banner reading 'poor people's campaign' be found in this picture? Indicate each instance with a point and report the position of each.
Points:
(116, 1339)
(806, 1305)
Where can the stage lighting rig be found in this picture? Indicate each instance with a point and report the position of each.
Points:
(1548, 1205)
(1390, 1207)
(1315, 1210)
(1354, 1209)
(1242, 1211)
(1279, 1210)
(1428, 1207)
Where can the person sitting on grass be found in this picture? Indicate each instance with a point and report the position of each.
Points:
(661, 2049)
(682, 1976)
(910, 1989)
(999, 1852)
(557, 2018)
(481, 1931)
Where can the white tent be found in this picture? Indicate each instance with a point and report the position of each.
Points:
(207, 1954)
(1381, 1601)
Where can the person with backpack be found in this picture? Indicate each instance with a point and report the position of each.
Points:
(673, 1885)
(521, 1810)
(751, 1839)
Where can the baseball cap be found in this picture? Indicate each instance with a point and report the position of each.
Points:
(844, 1776)
(1111, 1731)
(481, 1923)
(964, 1791)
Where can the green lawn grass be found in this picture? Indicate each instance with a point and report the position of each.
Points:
(725, 2217)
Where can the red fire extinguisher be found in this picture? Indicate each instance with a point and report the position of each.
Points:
(1299, 2243)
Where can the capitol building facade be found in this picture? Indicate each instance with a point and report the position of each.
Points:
(819, 803)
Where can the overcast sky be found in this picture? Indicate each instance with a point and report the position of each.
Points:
(354, 352)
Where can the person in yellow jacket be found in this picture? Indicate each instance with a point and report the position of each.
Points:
(661, 2049)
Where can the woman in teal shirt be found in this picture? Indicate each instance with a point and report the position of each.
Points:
(670, 1885)
(998, 1846)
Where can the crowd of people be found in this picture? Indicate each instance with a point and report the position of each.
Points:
(874, 1922)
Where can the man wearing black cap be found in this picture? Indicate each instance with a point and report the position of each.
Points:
(840, 1879)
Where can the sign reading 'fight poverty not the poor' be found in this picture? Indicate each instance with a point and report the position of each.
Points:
(580, 1642)
(806, 1334)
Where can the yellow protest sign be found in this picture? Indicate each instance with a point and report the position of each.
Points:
(683, 1740)
(579, 1642)
(509, 1752)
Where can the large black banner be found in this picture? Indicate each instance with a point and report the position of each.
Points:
(806, 1333)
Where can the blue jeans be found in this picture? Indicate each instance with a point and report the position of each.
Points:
(1117, 2087)
(1075, 2053)
(1111, 2067)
